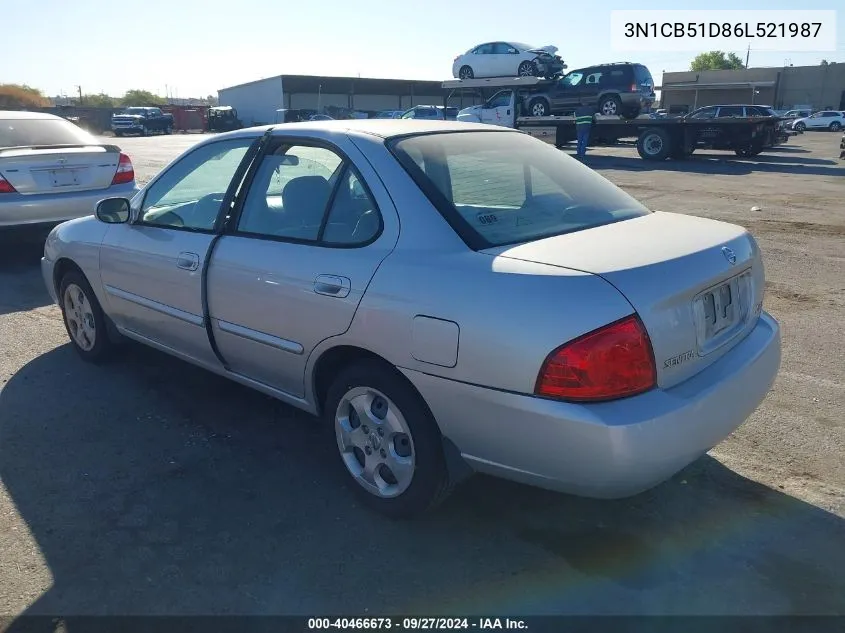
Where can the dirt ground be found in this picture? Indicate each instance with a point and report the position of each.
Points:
(154, 487)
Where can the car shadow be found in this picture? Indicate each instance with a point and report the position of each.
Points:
(21, 285)
(152, 487)
(721, 164)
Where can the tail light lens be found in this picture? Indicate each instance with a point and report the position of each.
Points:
(6, 186)
(614, 361)
(125, 172)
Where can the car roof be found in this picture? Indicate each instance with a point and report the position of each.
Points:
(25, 114)
(384, 128)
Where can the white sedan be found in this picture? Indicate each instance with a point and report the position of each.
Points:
(507, 59)
(833, 120)
(447, 297)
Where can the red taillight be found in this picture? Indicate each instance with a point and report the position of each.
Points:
(614, 361)
(634, 88)
(125, 172)
(5, 185)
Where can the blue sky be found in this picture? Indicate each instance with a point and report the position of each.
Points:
(195, 48)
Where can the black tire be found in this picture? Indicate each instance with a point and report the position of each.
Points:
(527, 69)
(538, 107)
(103, 347)
(654, 144)
(430, 483)
(800, 127)
(168, 130)
(835, 126)
(144, 131)
(118, 133)
(466, 73)
(747, 152)
(610, 105)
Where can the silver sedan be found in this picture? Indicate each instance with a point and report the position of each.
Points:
(450, 298)
(51, 170)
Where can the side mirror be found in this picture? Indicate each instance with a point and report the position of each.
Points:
(113, 210)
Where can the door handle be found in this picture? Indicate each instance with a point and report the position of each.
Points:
(188, 261)
(332, 286)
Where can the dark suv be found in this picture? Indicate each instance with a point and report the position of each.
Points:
(623, 89)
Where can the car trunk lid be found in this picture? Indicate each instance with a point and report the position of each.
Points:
(696, 284)
(66, 168)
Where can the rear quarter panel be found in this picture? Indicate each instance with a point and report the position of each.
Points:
(510, 315)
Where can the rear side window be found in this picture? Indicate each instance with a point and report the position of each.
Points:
(28, 132)
(498, 188)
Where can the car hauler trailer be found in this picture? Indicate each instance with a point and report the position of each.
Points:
(657, 138)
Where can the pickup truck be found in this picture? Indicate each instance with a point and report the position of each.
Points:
(143, 121)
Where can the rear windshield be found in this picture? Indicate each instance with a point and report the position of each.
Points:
(498, 188)
(28, 132)
(643, 75)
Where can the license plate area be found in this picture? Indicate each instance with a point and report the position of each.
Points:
(721, 312)
(64, 177)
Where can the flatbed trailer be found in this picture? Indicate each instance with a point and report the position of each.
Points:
(662, 137)
(657, 138)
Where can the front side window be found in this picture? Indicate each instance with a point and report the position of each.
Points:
(189, 194)
(498, 188)
(500, 100)
(705, 113)
(291, 194)
(730, 111)
(572, 79)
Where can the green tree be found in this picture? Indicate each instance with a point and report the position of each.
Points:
(716, 60)
(21, 96)
(141, 98)
(101, 100)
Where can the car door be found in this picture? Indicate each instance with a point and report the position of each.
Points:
(565, 93)
(481, 61)
(504, 60)
(305, 241)
(819, 120)
(499, 109)
(702, 128)
(588, 89)
(152, 267)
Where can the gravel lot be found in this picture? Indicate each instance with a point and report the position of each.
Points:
(154, 487)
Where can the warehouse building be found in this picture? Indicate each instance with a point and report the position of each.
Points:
(819, 87)
(258, 101)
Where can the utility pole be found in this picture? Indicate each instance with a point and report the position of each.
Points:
(79, 88)
(747, 55)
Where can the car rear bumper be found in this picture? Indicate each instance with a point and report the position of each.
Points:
(52, 208)
(606, 450)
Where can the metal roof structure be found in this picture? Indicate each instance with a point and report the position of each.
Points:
(346, 85)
